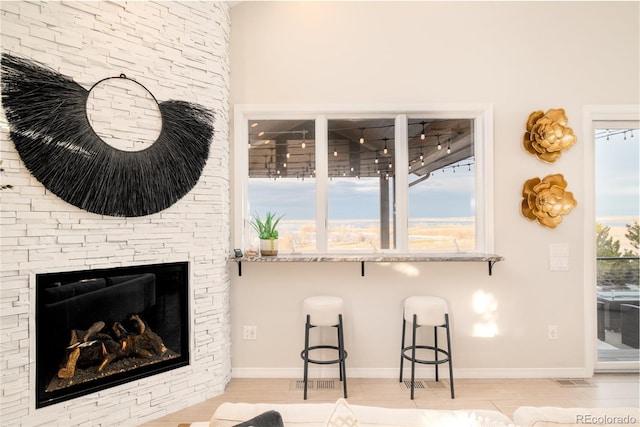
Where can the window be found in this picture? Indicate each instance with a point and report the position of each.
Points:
(612, 191)
(617, 197)
(398, 180)
(282, 179)
(441, 185)
(360, 192)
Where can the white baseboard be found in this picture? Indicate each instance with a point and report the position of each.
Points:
(422, 373)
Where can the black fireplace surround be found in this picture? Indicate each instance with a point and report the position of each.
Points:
(100, 328)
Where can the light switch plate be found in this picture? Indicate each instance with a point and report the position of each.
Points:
(559, 257)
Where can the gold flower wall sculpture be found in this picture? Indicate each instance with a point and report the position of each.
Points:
(547, 134)
(547, 200)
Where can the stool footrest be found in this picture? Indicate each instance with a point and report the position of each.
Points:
(426, 362)
(341, 357)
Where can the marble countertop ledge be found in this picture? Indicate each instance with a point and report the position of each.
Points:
(382, 257)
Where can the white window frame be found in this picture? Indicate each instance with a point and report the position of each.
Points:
(482, 114)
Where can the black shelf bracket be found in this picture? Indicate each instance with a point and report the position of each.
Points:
(491, 266)
(240, 268)
(362, 268)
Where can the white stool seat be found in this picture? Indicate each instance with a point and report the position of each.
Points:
(429, 310)
(324, 310)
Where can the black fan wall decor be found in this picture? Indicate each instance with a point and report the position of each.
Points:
(48, 124)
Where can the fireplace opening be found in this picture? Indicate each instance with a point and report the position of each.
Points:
(100, 328)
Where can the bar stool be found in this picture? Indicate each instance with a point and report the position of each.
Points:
(426, 311)
(323, 311)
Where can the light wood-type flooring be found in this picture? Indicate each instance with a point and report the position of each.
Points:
(505, 395)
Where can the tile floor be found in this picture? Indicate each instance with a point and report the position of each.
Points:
(505, 395)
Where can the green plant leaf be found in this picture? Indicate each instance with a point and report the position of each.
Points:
(266, 228)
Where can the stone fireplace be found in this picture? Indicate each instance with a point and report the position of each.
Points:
(179, 51)
(99, 328)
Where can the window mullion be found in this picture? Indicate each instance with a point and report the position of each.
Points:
(402, 183)
(322, 181)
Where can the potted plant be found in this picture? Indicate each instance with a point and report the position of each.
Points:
(267, 233)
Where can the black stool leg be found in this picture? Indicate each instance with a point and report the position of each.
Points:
(413, 354)
(404, 328)
(342, 356)
(446, 318)
(307, 327)
(435, 350)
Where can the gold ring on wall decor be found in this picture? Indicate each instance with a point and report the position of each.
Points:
(547, 200)
(547, 134)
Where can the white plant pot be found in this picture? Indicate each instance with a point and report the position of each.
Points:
(268, 247)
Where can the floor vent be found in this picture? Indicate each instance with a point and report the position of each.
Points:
(416, 384)
(573, 382)
(325, 384)
(316, 384)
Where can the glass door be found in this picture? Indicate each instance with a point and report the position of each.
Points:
(617, 201)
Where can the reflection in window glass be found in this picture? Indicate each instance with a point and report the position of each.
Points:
(441, 185)
(361, 184)
(282, 180)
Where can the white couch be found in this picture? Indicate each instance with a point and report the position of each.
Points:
(318, 414)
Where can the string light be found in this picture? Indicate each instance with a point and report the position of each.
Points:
(608, 133)
(383, 157)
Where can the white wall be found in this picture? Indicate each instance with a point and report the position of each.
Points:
(517, 56)
(178, 51)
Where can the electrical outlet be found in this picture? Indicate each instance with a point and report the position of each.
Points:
(552, 332)
(249, 332)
